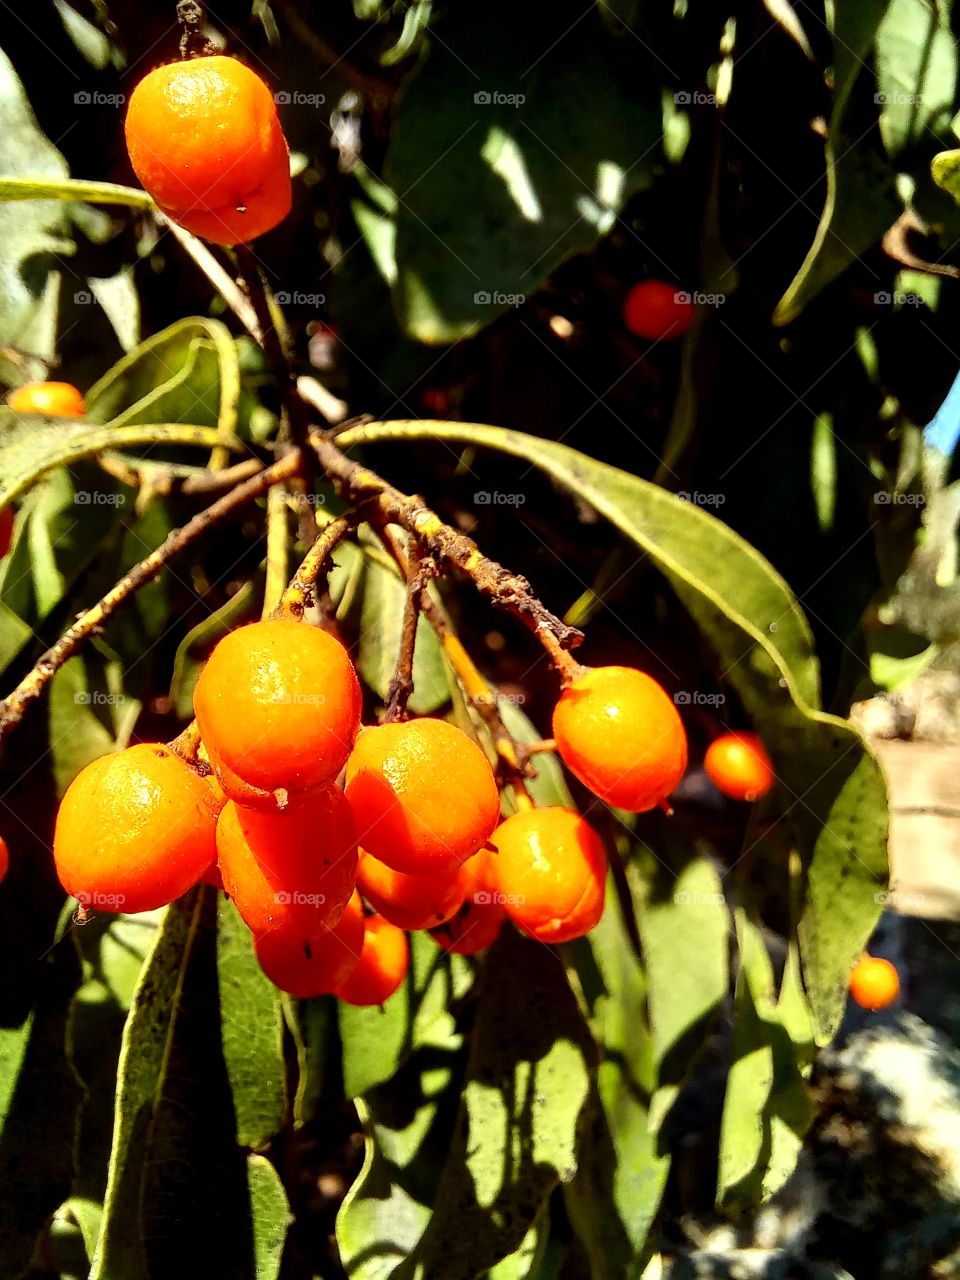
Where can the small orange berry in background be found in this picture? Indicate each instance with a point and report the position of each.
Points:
(738, 766)
(383, 965)
(654, 309)
(309, 967)
(4, 858)
(135, 830)
(619, 732)
(278, 707)
(6, 530)
(59, 399)
(551, 873)
(475, 927)
(874, 982)
(410, 902)
(204, 139)
(293, 870)
(423, 795)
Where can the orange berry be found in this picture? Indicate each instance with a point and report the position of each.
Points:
(278, 708)
(654, 309)
(204, 139)
(475, 927)
(384, 961)
(479, 874)
(738, 766)
(551, 873)
(308, 967)
(293, 870)
(4, 858)
(423, 795)
(135, 830)
(874, 982)
(6, 530)
(213, 877)
(619, 732)
(59, 399)
(409, 902)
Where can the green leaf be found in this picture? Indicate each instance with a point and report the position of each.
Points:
(521, 1111)
(270, 1217)
(916, 65)
(621, 1175)
(179, 1183)
(77, 733)
(31, 236)
(861, 201)
(252, 1033)
(39, 1094)
(497, 192)
(377, 1041)
(550, 785)
(832, 788)
(381, 625)
(54, 188)
(31, 449)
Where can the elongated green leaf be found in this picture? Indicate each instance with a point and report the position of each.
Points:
(179, 1182)
(505, 176)
(861, 201)
(44, 188)
(621, 1175)
(32, 235)
(833, 790)
(39, 1094)
(31, 450)
(522, 1108)
(252, 1033)
(381, 627)
(269, 1215)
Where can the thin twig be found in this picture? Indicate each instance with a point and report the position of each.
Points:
(278, 549)
(300, 595)
(419, 570)
(32, 685)
(507, 590)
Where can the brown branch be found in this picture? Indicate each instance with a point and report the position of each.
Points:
(507, 590)
(300, 595)
(88, 623)
(419, 570)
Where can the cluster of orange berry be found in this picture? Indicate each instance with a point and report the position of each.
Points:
(303, 816)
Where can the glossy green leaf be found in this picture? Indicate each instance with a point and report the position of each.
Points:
(31, 235)
(179, 1182)
(29, 450)
(501, 173)
(861, 201)
(621, 1176)
(832, 788)
(380, 628)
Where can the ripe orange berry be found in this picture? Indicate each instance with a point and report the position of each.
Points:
(59, 399)
(383, 965)
(293, 870)
(410, 902)
(4, 858)
(551, 873)
(738, 766)
(6, 530)
(479, 874)
(278, 708)
(308, 967)
(620, 733)
(423, 795)
(475, 927)
(205, 141)
(874, 982)
(135, 830)
(654, 309)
